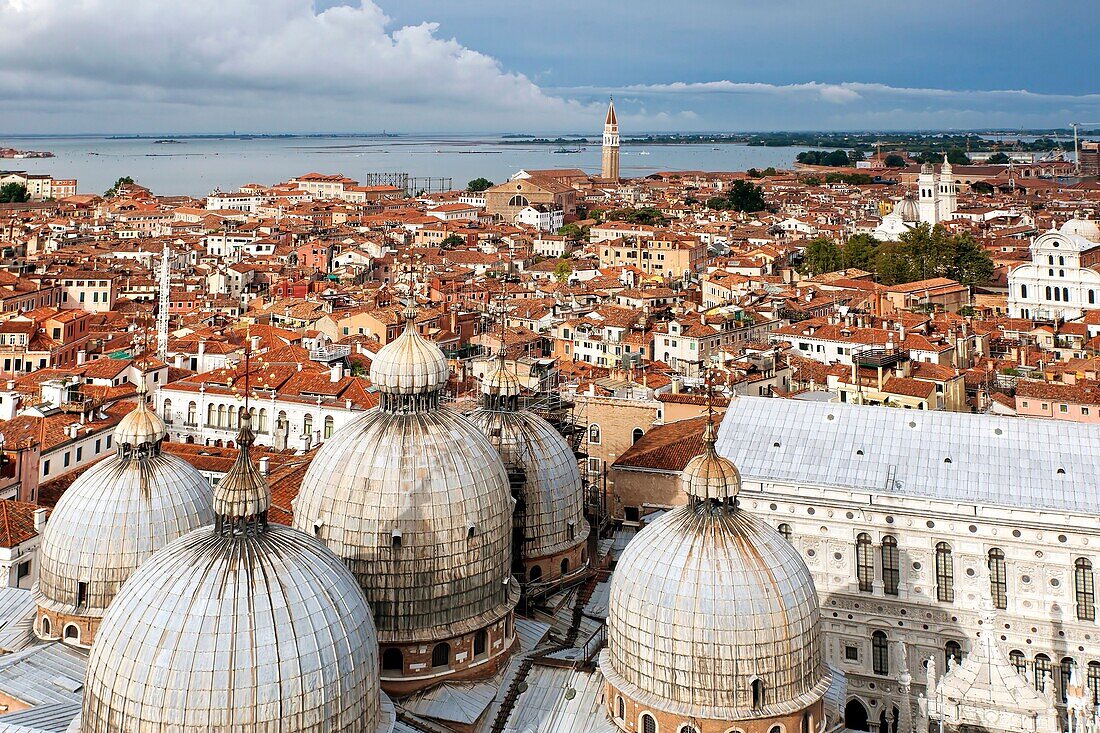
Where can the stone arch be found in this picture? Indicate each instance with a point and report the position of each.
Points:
(855, 715)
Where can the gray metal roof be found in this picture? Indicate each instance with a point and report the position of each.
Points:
(981, 459)
(48, 677)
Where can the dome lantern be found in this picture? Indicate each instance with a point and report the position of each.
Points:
(410, 371)
(242, 499)
(141, 431)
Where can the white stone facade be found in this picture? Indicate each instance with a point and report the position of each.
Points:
(1062, 281)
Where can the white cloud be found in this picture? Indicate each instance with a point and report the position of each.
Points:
(255, 58)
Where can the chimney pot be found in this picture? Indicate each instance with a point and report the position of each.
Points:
(39, 518)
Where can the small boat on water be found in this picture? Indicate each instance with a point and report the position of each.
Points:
(568, 150)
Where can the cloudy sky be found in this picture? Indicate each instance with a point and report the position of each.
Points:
(511, 65)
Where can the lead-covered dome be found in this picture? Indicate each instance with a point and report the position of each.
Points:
(111, 519)
(416, 501)
(907, 209)
(712, 613)
(551, 502)
(1082, 228)
(410, 364)
(240, 626)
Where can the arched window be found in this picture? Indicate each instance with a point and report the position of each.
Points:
(1042, 669)
(855, 716)
(636, 435)
(865, 562)
(785, 530)
(649, 723)
(71, 632)
(1065, 295)
(1061, 260)
(1092, 297)
(1065, 670)
(210, 415)
(1057, 295)
(518, 200)
(880, 653)
(1083, 587)
(952, 650)
(261, 420)
(998, 579)
(166, 413)
(891, 566)
(222, 421)
(1093, 681)
(775, 729)
(945, 573)
(441, 655)
(328, 426)
(565, 566)
(393, 660)
(281, 422)
(621, 708)
(192, 416)
(688, 729)
(307, 424)
(594, 434)
(481, 642)
(1019, 661)
(45, 626)
(1049, 296)
(1023, 291)
(758, 693)
(535, 572)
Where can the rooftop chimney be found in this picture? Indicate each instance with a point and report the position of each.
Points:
(337, 372)
(39, 518)
(265, 465)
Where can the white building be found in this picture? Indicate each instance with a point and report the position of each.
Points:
(544, 218)
(222, 201)
(1062, 281)
(937, 194)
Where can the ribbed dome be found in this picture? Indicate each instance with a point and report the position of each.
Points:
(140, 426)
(418, 506)
(112, 519)
(410, 364)
(709, 475)
(1082, 228)
(907, 209)
(238, 627)
(552, 492)
(500, 381)
(266, 634)
(704, 601)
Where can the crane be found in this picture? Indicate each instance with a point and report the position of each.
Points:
(1076, 152)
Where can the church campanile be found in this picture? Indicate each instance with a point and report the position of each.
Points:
(611, 144)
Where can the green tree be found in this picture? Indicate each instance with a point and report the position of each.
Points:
(563, 270)
(972, 264)
(893, 160)
(479, 184)
(745, 196)
(647, 215)
(754, 173)
(123, 181)
(452, 241)
(956, 156)
(719, 203)
(822, 255)
(860, 251)
(574, 233)
(812, 180)
(891, 264)
(998, 158)
(14, 193)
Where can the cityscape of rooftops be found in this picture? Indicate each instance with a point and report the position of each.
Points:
(721, 368)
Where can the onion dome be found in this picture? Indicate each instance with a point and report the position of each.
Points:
(112, 519)
(712, 614)
(907, 209)
(1082, 228)
(415, 499)
(410, 364)
(542, 466)
(243, 626)
(709, 475)
(142, 426)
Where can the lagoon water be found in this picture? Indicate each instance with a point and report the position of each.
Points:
(196, 166)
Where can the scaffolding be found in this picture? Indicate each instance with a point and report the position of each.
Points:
(412, 185)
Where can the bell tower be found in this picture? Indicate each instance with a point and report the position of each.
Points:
(610, 168)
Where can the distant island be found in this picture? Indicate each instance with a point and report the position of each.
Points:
(20, 154)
